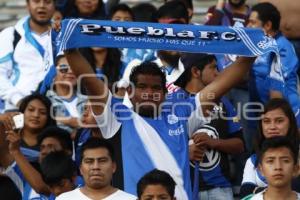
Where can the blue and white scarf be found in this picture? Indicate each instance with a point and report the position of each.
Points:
(77, 33)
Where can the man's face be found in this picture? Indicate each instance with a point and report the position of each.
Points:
(155, 192)
(97, 168)
(87, 7)
(278, 167)
(147, 95)
(49, 144)
(41, 11)
(209, 73)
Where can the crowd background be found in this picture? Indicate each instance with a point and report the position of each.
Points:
(11, 11)
(99, 59)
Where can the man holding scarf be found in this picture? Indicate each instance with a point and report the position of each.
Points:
(154, 133)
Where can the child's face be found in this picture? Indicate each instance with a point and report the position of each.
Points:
(278, 166)
(156, 192)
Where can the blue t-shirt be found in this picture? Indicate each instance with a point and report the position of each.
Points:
(149, 143)
(224, 124)
(142, 54)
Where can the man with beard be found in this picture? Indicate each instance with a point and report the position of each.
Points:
(267, 17)
(154, 133)
(26, 53)
(172, 12)
(97, 166)
(233, 13)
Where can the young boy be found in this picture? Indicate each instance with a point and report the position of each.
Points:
(278, 162)
(156, 184)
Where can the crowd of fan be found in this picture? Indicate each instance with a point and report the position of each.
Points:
(113, 135)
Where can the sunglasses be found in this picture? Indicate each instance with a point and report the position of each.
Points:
(63, 68)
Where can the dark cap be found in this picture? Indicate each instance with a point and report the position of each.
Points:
(189, 60)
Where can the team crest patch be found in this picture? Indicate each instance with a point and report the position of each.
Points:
(172, 119)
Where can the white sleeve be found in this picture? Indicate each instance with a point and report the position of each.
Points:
(13, 174)
(249, 173)
(107, 121)
(197, 119)
(7, 90)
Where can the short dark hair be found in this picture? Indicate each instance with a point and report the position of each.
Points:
(121, 7)
(8, 189)
(62, 135)
(112, 62)
(42, 98)
(173, 9)
(268, 12)
(187, 3)
(94, 143)
(148, 68)
(277, 142)
(156, 177)
(189, 60)
(70, 10)
(144, 12)
(57, 166)
(279, 103)
(58, 58)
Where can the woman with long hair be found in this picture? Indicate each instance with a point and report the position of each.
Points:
(36, 110)
(277, 119)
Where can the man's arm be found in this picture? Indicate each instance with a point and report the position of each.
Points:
(6, 123)
(5, 158)
(32, 176)
(7, 91)
(97, 89)
(231, 145)
(231, 76)
(215, 14)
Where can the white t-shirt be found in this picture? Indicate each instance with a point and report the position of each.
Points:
(260, 196)
(252, 175)
(78, 195)
(71, 107)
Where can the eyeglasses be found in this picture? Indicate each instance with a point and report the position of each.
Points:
(63, 68)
